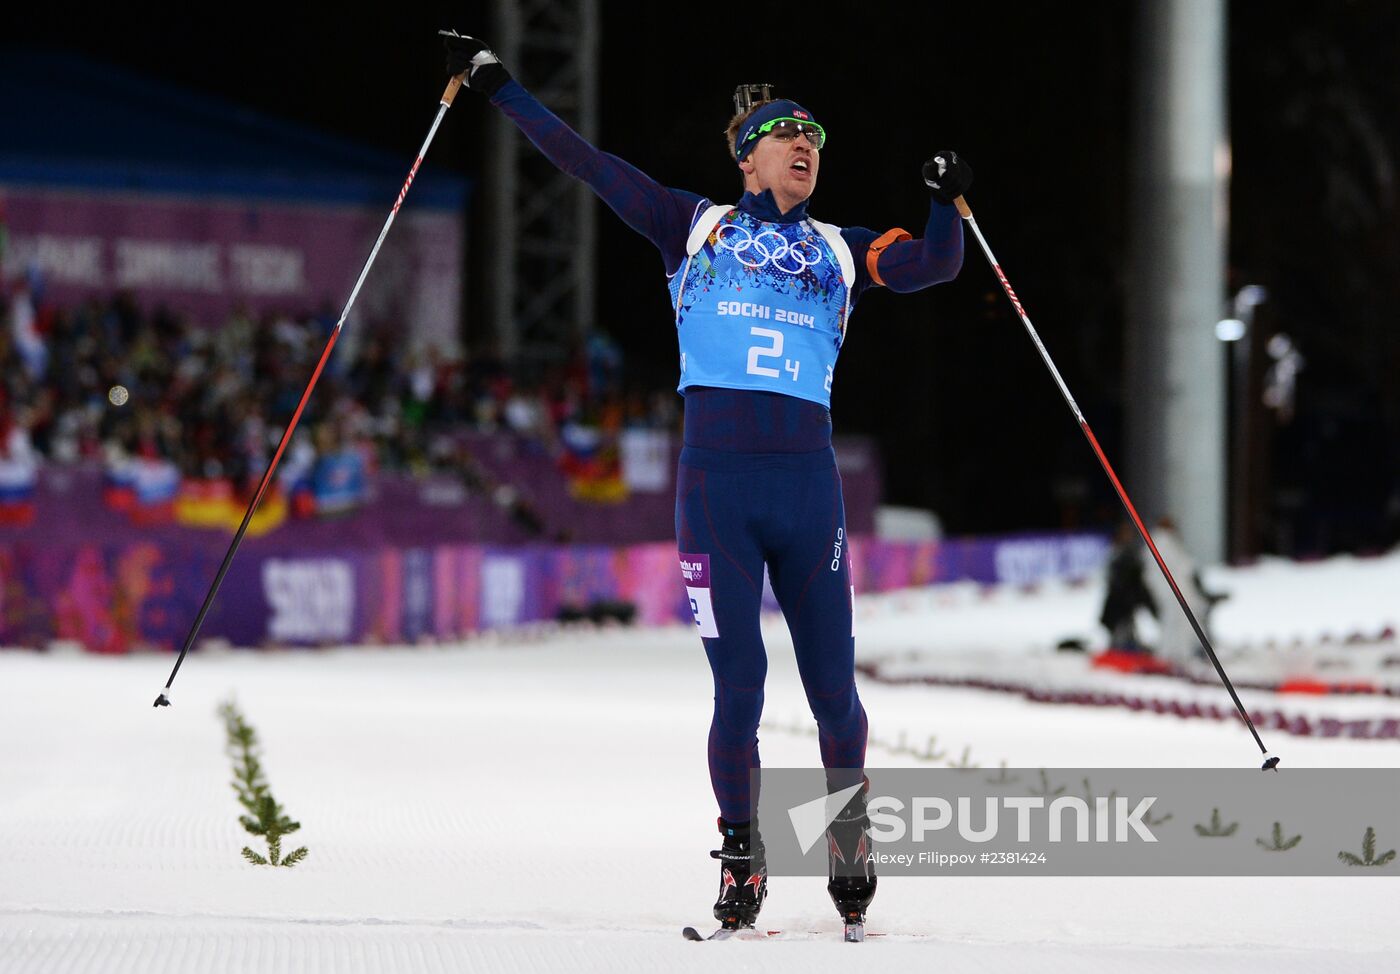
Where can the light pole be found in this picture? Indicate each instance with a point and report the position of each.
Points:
(1237, 332)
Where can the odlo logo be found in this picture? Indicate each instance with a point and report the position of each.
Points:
(836, 549)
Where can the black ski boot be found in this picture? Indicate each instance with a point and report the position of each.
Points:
(743, 876)
(850, 869)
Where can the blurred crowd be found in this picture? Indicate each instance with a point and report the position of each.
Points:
(213, 400)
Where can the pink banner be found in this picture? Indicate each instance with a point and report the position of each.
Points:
(207, 256)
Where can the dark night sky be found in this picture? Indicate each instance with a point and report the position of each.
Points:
(1038, 97)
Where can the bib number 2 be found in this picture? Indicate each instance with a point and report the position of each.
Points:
(774, 351)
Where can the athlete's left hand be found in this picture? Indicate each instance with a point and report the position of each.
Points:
(947, 176)
(474, 57)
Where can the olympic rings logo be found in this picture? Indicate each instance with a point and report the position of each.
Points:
(766, 247)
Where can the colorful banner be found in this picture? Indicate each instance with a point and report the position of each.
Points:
(144, 594)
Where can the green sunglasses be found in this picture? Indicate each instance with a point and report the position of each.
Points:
(787, 129)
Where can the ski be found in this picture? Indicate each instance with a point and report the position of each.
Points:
(690, 933)
(852, 933)
(727, 933)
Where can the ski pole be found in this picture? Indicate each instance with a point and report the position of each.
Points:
(1270, 761)
(445, 102)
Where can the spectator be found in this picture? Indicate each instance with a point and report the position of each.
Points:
(214, 401)
(1126, 591)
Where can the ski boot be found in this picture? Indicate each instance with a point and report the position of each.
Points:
(850, 869)
(743, 876)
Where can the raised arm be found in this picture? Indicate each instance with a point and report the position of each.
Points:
(657, 212)
(900, 262)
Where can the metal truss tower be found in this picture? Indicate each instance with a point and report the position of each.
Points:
(541, 236)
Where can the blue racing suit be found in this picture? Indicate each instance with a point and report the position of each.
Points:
(762, 300)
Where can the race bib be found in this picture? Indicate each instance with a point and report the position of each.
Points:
(695, 569)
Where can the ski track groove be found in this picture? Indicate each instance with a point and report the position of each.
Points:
(230, 945)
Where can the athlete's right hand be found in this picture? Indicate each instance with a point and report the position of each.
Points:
(484, 70)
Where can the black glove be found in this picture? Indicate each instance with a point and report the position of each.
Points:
(485, 74)
(948, 176)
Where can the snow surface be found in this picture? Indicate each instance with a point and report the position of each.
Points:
(540, 802)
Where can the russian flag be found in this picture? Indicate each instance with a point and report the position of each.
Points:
(155, 484)
(18, 481)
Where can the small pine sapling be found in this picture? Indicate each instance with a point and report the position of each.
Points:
(1279, 843)
(265, 816)
(1368, 855)
(1217, 829)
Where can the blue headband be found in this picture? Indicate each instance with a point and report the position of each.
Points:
(777, 109)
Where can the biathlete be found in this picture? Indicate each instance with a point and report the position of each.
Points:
(762, 294)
